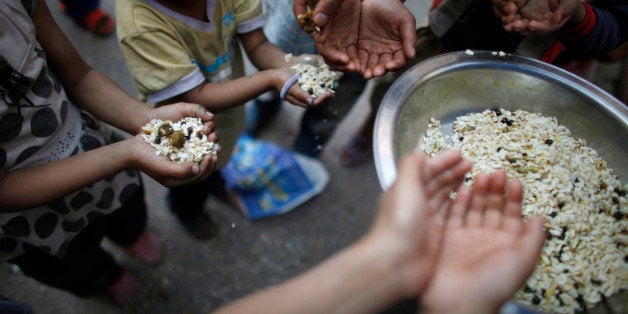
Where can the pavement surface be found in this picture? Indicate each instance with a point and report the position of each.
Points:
(198, 276)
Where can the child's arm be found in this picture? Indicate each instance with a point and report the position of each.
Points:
(87, 88)
(35, 186)
(226, 95)
(274, 73)
(262, 53)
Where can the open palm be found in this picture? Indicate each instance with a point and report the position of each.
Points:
(387, 37)
(488, 251)
(337, 40)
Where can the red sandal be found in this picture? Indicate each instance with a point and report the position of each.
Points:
(98, 22)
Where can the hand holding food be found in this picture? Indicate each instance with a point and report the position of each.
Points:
(182, 141)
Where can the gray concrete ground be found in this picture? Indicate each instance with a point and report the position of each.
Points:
(198, 276)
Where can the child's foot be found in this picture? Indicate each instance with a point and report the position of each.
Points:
(147, 248)
(356, 151)
(98, 21)
(125, 289)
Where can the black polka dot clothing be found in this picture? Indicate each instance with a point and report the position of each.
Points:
(38, 125)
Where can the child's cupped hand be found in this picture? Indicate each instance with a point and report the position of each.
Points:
(293, 93)
(164, 170)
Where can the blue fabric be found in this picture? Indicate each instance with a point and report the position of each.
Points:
(610, 31)
(282, 29)
(267, 179)
(77, 9)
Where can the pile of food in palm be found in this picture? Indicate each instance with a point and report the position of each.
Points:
(182, 141)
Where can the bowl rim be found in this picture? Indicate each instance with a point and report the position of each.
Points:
(397, 95)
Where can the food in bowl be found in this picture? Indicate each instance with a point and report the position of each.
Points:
(583, 201)
(182, 141)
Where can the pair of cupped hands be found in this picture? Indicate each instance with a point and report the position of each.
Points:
(136, 153)
(373, 37)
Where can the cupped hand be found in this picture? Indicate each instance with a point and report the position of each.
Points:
(412, 213)
(387, 37)
(295, 94)
(164, 170)
(487, 251)
(178, 111)
(337, 41)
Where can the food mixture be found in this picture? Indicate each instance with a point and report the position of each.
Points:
(306, 21)
(583, 202)
(182, 141)
(316, 79)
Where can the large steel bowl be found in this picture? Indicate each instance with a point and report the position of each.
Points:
(454, 84)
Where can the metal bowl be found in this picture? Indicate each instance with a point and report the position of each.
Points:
(454, 84)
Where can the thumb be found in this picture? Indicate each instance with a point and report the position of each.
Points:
(324, 9)
(408, 37)
(534, 238)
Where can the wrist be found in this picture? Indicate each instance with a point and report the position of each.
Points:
(125, 152)
(389, 262)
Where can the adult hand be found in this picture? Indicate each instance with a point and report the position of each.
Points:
(339, 24)
(387, 37)
(411, 219)
(487, 251)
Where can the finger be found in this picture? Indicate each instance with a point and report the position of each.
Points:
(398, 61)
(380, 68)
(297, 102)
(512, 207)
(299, 7)
(473, 216)
(459, 207)
(492, 216)
(354, 58)
(298, 94)
(331, 54)
(324, 9)
(363, 56)
(449, 179)
(209, 126)
(444, 161)
(408, 185)
(408, 37)
(532, 242)
(322, 98)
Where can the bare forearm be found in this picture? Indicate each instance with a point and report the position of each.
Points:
(269, 56)
(226, 95)
(356, 280)
(102, 97)
(37, 186)
(262, 53)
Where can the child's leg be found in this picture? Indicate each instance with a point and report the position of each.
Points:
(125, 225)
(85, 270)
(318, 123)
(187, 203)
